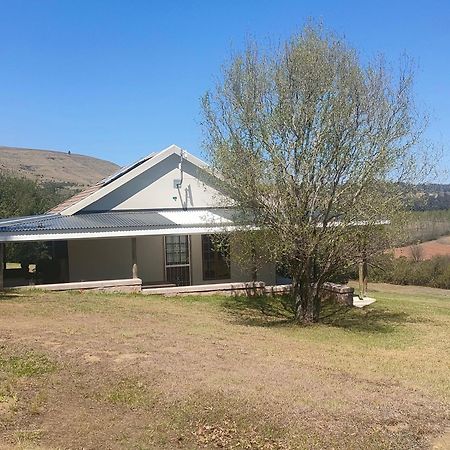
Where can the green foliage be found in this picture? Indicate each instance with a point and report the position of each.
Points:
(23, 197)
(315, 147)
(425, 226)
(433, 273)
(431, 197)
(26, 252)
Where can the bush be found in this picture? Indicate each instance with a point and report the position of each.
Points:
(434, 272)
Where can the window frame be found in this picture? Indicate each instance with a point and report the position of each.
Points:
(216, 258)
(172, 245)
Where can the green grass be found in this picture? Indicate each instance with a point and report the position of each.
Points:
(28, 364)
(130, 392)
(401, 337)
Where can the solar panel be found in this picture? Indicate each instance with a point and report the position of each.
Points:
(125, 169)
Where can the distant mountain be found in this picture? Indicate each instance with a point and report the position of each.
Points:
(53, 166)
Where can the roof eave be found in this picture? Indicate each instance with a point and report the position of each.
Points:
(113, 233)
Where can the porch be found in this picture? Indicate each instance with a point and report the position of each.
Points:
(161, 248)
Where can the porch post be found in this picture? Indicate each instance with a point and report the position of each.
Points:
(363, 277)
(134, 257)
(2, 263)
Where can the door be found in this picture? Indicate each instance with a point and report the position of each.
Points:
(177, 259)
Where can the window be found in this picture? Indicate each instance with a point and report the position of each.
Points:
(177, 260)
(215, 262)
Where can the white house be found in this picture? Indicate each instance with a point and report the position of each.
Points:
(152, 220)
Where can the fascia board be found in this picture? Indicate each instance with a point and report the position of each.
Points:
(34, 237)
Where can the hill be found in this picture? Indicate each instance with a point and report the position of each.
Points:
(53, 166)
(431, 197)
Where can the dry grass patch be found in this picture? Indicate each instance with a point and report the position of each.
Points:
(85, 370)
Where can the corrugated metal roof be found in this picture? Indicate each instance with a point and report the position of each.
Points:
(117, 220)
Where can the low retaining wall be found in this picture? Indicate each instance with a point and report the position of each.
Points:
(340, 293)
(124, 285)
(256, 288)
(330, 291)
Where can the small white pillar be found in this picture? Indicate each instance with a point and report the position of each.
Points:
(134, 258)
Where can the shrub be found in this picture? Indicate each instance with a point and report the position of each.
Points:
(434, 272)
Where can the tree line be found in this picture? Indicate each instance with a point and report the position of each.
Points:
(21, 196)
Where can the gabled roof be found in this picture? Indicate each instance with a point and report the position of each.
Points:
(124, 175)
(72, 219)
(72, 201)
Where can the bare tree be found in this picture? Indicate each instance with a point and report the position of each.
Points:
(313, 147)
(416, 252)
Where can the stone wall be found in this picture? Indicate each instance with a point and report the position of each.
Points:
(336, 292)
(340, 293)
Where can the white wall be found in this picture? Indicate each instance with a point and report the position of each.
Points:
(156, 189)
(108, 259)
(150, 258)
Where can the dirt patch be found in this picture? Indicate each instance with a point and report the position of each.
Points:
(428, 250)
(443, 442)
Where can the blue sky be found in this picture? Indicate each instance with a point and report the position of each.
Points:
(119, 79)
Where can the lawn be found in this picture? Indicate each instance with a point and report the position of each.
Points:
(94, 371)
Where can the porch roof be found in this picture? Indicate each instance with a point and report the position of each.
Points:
(49, 227)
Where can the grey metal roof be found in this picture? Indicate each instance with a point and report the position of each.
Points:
(116, 220)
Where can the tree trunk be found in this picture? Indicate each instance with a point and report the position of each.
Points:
(299, 297)
(365, 276)
(361, 280)
(307, 298)
(312, 303)
(254, 268)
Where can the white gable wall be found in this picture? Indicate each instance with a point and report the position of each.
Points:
(156, 188)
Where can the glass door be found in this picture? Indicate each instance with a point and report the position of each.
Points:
(177, 254)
